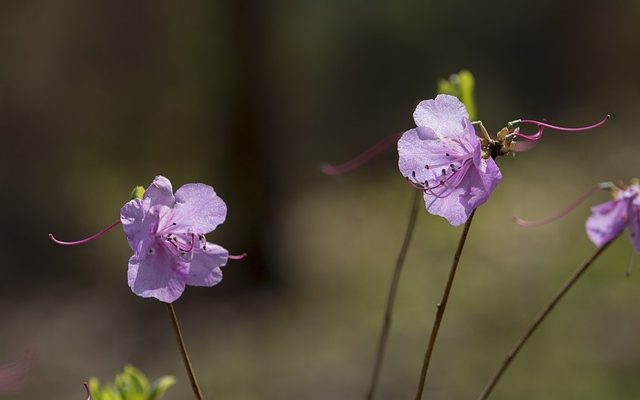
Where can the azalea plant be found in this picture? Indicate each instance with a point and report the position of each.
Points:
(450, 160)
(166, 233)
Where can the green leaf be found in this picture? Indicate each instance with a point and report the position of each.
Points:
(137, 380)
(160, 387)
(130, 384)
(94, 389)
(110, 393)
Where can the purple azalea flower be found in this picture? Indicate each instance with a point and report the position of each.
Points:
(608, 219)
(443, 157)
(167, 235)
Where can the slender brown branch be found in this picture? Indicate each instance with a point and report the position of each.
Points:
(386, 324)
(541, 317)
(183, 352)
(440, 307)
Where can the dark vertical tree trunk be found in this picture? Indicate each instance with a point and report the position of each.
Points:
(250, 161)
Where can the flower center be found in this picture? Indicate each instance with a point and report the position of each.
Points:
(180, 243)
(443, 180)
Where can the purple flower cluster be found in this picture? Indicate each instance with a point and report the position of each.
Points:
(442, 156)
(448, 158)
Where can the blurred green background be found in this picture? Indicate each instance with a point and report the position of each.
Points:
(251, 97)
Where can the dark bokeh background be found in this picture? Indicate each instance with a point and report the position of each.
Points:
(250, 97)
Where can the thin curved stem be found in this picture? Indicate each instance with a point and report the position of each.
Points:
(541, 317)
(183, 352)
(440, 308)
(386, 324)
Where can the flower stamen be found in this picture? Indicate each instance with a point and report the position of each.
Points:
(446, 182)
(541, 125)
(630, 263)
(86, 240)
(175, 243)
(558, 215)
(362, 158)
